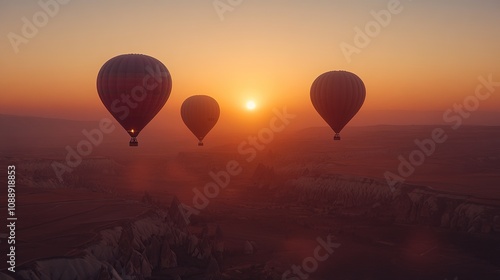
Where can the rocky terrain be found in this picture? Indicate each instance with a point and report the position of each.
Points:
(406, 204)
(119, 217)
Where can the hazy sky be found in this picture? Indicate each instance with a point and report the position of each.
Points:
(427, 57)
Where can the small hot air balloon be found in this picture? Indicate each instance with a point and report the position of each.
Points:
(337, 96)
(134, 88)
(200, 114)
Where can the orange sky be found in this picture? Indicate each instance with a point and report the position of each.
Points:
(428, 57)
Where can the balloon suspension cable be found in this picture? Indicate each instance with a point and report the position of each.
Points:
(133, 142)
(337, 136)
(200, 143)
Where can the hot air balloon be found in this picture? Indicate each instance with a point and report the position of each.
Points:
(200, 114)
(337, 96)
(134, 88)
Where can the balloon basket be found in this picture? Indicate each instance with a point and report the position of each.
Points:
(200, 144)
(133, 142)
(336, 137)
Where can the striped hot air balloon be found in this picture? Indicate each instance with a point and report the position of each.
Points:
(337, 96)
(200, 113)
(134, 88)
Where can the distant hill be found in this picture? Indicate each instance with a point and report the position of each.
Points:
(411, 117)
(27, 135)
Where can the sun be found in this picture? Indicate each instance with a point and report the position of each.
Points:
(251, 105)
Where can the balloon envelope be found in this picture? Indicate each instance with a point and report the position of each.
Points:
(134, 88)
(337, 96)
(200, 113)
